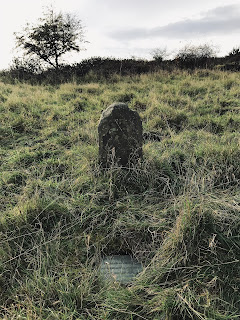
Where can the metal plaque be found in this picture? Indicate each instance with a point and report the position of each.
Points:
(121, 268)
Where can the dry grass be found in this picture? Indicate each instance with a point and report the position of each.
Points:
(177, 210)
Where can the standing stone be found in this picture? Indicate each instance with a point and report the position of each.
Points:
(120, 136)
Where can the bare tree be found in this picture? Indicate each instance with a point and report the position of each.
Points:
(159, 54)
(191, 56)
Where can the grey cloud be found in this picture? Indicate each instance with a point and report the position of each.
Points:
(224, 11)
(219, 21)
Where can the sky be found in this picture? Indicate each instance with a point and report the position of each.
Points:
(131, 28)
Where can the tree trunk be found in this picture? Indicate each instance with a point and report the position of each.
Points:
(56, 63)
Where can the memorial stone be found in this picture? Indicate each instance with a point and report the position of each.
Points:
(120, 136)
(121, 268)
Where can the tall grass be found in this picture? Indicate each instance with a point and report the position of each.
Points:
(177, 211)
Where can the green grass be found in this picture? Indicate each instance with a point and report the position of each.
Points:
(178, 211)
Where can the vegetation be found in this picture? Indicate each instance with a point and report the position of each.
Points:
(160, 54)
(54, 35)
(178, 211)
(100, 69)
(195, 56)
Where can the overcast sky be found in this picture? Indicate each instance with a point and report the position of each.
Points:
(126, 28)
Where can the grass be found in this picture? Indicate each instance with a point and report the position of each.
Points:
(177, 211)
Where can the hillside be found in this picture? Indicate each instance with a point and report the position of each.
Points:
(178, 211)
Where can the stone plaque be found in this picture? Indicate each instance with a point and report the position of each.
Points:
(120, 136)
(121, 268)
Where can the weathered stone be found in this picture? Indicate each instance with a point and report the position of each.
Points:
(120, 136)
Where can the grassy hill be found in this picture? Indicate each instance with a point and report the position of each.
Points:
(178, 211)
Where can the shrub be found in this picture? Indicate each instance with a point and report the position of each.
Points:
(193, 57)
